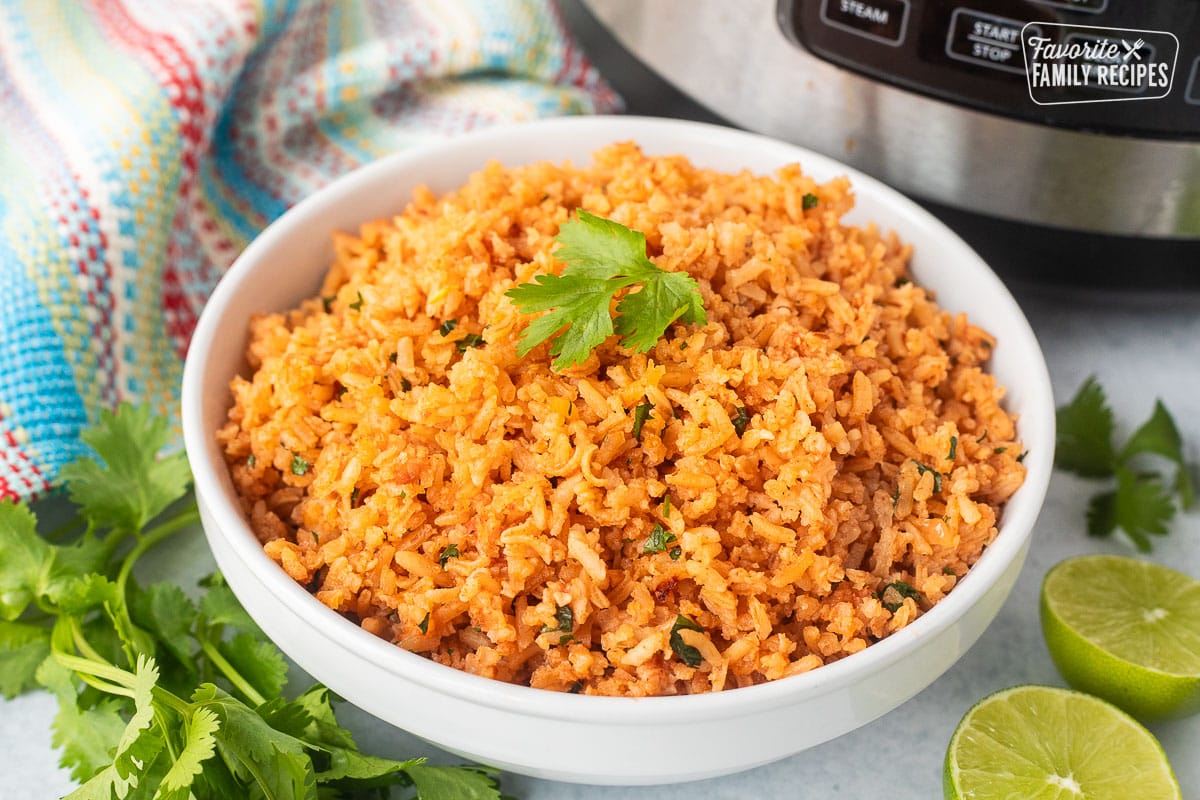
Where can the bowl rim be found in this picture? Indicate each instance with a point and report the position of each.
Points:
(215, 494)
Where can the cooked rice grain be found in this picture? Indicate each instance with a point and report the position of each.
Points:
(460, 503)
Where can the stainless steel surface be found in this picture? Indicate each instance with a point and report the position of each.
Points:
(733, 58)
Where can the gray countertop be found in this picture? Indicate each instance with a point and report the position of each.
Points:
(1139, 349)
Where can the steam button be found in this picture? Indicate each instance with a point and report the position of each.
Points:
(882, 20)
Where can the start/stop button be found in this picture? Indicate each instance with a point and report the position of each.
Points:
(986, 40)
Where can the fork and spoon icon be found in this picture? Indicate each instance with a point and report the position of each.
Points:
(1131, 50)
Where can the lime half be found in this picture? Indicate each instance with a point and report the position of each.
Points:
(1044, 743)
(1125, 630)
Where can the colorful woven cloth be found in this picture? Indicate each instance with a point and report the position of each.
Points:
(144, 142)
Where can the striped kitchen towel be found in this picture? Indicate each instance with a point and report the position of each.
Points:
(144, 142)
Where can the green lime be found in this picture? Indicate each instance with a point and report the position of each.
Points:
(1125, 630)
(1045, 743)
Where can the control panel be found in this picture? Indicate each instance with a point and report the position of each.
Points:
(1047, 61)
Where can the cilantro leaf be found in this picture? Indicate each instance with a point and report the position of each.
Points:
(658, 540)
(87, 737)
(199, 737)
(937, 476)
(256, 753)
(219, 606)
(127, 485)
(1085, 431)
(593, 245)
(166, 612)
(740, 419)
(643, 316)
(640, 415)
(259, 662)
(687, 654)
(347, 768)
(564, 616)
(72, 562)
(469, 341)
(102, 786)
(23, 648)
(1141, 507)
(80, 595)
(290, 718)
(575, 305)
(453, 783)
(1159, 436)
(892, 595)
(603, 257)
(350, 768)
(30, 568)
(448, 552)
(23, 559)
(322, 728)
(139, 742)
(57, 679)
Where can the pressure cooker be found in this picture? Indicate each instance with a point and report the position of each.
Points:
(1061, 137)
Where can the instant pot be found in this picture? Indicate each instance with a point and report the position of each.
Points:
(1055, 176)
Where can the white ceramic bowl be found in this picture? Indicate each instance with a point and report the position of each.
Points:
(572, 737)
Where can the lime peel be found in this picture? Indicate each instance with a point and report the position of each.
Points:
(1125, 630)
(1047, 743)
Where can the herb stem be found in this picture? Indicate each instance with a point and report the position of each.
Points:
(169, 698)
(95, 666)
(150, 538)
(104, 686)
(99, 669)
(83, 645)
(161, 719)
(111, 542)
(145, 541)
(227, 669)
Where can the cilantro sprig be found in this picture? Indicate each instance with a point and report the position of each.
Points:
(1144, 500)
(162, 695)
(603, 257)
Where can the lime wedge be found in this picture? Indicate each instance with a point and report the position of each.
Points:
(1044, 743)
(1125, 630)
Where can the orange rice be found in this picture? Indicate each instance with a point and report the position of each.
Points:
(458, 500)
